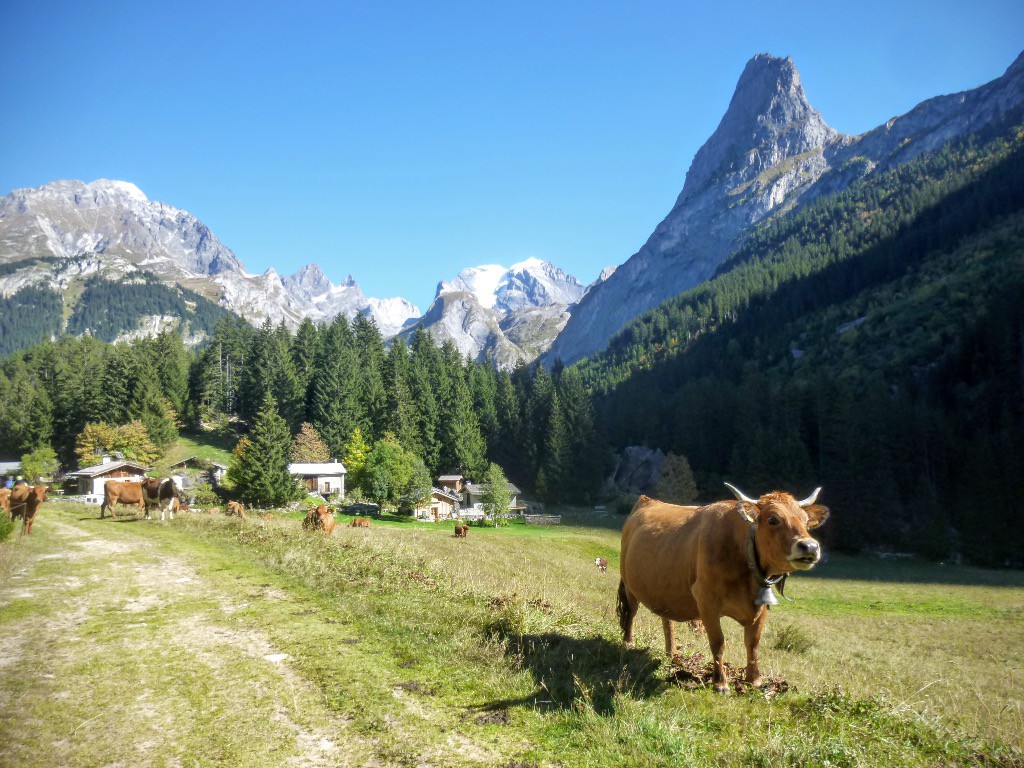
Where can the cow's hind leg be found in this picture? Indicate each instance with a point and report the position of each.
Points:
(626, 609)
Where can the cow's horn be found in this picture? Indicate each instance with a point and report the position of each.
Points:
(740, 495)
(810, 499)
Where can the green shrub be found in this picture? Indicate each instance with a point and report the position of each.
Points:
(6, 527)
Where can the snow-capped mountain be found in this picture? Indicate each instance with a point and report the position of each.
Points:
(65, 232)
(511, 314)
(325, 301)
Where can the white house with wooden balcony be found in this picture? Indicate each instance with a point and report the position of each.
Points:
(327, 478)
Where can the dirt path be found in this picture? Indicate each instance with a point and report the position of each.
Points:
(115, 653)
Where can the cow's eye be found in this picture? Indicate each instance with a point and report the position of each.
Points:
(773, 520)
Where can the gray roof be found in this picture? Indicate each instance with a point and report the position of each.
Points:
(479, 489)
(110, 466)
(10, 467)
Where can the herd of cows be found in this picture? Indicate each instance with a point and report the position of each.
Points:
(684, 563)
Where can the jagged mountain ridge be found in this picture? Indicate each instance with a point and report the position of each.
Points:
(66, 232)
(771, 152)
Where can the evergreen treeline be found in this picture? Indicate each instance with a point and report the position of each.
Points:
(106, 309)
(452, 414)
(29, 316)
(872, 342)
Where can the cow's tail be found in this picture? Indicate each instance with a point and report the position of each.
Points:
(625, 612)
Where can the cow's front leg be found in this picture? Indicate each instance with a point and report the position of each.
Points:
(716, 639)
(670, 636)
(752, 639)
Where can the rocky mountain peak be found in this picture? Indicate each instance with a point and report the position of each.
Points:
(768, 120)
(308, 282)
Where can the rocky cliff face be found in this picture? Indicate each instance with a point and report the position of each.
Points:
(771, 151)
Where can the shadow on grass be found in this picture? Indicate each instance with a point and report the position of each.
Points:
(566, 669)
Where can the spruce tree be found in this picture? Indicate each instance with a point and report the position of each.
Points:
(259, 469)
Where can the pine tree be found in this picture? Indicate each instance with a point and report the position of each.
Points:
(305, 348)
(307, 447)
(259, 469)
(422, 360)
(400, 416)
(371, 394)
(172, 369)
(554, 461)
(333, 394)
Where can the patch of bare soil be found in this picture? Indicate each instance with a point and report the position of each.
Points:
(146, 582)
(697, 671)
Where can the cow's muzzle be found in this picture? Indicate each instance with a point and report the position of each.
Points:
(805, 554)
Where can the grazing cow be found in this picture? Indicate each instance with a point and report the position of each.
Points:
(160, 492)
(319, 518)
(602, 564)
(5, 500)
(702, 563)
(127, 492)
(360, 522)
(25, 501)
(461, 531)
(235, 509)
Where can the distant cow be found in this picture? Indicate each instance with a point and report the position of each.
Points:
(319, 519)
(602, 564)
(461, 531)
(360, 522)
(689, 563)
(127, 492)
(160, 492)
(25, 501)
(235, 509)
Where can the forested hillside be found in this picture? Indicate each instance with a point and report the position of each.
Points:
(101, 308)
(871, 342)
(449, 414)
(107, 309)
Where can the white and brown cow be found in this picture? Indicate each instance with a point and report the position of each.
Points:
(703, 563)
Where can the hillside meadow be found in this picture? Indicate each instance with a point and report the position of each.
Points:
(210, 641)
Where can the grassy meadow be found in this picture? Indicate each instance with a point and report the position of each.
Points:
(407, 646)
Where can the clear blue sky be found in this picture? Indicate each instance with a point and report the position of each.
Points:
(403, 141)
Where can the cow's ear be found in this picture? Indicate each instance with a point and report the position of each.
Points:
(816, 515)
(741, 507)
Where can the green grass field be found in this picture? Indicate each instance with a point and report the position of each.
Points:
(405, 646)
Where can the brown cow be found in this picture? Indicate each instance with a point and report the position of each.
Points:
(235, 509)
(461, 531)
(25, 501)
(127, 492)
(360, 522)
(690, 563)
(601, 563)
(5, 500)
(319, 518)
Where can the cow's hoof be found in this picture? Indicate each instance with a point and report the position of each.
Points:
(723, 689)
